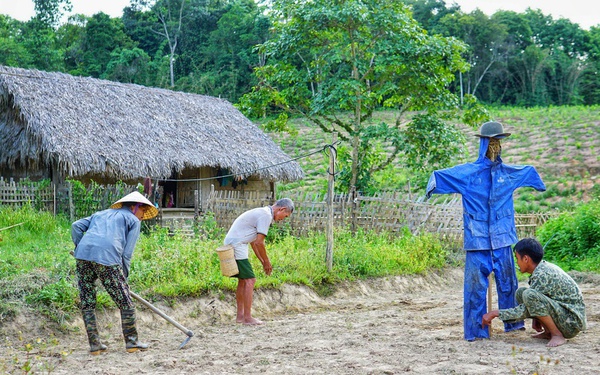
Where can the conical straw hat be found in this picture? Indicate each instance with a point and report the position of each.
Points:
(136, 197)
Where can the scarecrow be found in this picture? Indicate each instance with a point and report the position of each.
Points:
(487, 187)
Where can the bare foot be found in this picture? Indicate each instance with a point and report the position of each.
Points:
(542, 335)
(239, 317)
(253, 322)
(556, 341)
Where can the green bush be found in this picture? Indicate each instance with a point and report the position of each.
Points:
(573, 238)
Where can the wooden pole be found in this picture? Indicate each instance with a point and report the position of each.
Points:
(71, 207)
(12, 226)
(489, 295)
(330, 189)
(54, 198)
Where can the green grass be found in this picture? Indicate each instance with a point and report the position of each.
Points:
(38, 271)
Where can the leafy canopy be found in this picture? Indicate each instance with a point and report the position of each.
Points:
(336, 62)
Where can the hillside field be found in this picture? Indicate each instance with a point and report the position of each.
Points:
(563, 143)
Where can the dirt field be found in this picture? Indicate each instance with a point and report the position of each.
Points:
(385, 326)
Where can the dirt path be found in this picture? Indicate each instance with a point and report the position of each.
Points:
(385, 326)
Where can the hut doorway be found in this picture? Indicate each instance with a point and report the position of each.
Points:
(169, 188)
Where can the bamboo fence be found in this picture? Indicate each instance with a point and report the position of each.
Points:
(386, 212)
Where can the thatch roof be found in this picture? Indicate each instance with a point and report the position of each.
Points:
(87, 126)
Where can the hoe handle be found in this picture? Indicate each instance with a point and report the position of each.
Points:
(167, 318)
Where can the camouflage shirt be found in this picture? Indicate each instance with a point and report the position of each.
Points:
(564, 299)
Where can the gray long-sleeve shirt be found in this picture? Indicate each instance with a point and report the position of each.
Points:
(107, 237)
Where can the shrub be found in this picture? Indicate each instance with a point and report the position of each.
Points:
(573, 238)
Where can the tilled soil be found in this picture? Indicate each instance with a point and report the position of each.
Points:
(405, 324)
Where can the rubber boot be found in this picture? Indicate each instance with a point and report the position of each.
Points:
(130, 332)
(89, 319)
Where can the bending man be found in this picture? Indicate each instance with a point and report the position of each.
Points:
(252, 227)
(104, 244)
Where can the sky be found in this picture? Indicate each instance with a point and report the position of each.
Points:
(584, 12)
(23, 9)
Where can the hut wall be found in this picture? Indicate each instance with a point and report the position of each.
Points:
(25, 173)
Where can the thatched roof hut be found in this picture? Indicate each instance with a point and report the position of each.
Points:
(79, 126)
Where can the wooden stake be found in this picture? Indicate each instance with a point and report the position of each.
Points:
(12, 226)
(490, 299)
(330, 192)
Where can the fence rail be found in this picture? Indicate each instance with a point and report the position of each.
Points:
(16, 194)
(74, 201)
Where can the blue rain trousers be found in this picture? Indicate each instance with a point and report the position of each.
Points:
(478, 266)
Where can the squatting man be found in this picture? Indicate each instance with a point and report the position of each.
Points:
(553, 299)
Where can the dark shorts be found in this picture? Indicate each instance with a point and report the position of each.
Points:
(245, 269)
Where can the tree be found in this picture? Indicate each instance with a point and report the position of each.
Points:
(70, 37)
(103, 35)
(12, 53)
(591, 78)
(563, 46)
(49, 12)
(529, 71)
(336, 62)
(41, 44)
(486, 39)
(429, 12)
(38, 35)
(128, 66)
(228, 57)
(170, 16)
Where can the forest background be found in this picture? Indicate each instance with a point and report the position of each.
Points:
(524, 58)
(237, 50)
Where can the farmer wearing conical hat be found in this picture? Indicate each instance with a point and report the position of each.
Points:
(487, 187)
(104, 244)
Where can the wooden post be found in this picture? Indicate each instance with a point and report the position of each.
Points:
(330, 189)
(54, 198)
(196, 205)
(71, 207)
(489, 295)
(354, 209)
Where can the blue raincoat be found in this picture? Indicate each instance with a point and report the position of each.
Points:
(489, 230)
